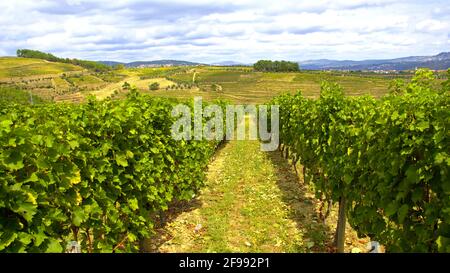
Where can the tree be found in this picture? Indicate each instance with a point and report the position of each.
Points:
(154, 86)
(276, 66)
(28, 53)
(119, 67)
(126, 86)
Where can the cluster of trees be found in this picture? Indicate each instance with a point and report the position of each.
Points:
(276, 66)
(91, 65)
(154, 86)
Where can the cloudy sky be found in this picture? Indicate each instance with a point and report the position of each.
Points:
(219, 30)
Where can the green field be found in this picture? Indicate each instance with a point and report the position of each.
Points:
(24, 67)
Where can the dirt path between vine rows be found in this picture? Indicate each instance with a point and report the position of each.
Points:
(252, 201)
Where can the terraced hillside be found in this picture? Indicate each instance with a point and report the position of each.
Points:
(12, 68)
(242, 85)
(52, 81)
(69, 83)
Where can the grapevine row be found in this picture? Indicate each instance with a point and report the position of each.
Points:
(93, 173)
(386, 161)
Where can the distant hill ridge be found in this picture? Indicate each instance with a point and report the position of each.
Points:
(152, 63)
(230, 63)
(440, 61)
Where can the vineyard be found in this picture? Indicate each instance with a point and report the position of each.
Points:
(94, 173)
(240, 85)
(215, 136)
(65, 82)
(385, 161)
(107, 173)
(15, 95)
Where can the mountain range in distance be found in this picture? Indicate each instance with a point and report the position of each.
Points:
(152, 63)
(440, 61)
(160, 63)
(230, 63)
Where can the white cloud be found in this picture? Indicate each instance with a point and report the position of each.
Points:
(432, 25)
(210, 31)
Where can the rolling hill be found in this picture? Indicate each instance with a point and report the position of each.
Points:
(11, 67)
(50, 81)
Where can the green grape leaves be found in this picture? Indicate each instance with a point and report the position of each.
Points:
(388, 157)
(93, 172)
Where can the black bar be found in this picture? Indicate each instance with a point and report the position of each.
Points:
(223, 262)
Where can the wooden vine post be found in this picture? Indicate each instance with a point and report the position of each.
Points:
(340, 231)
